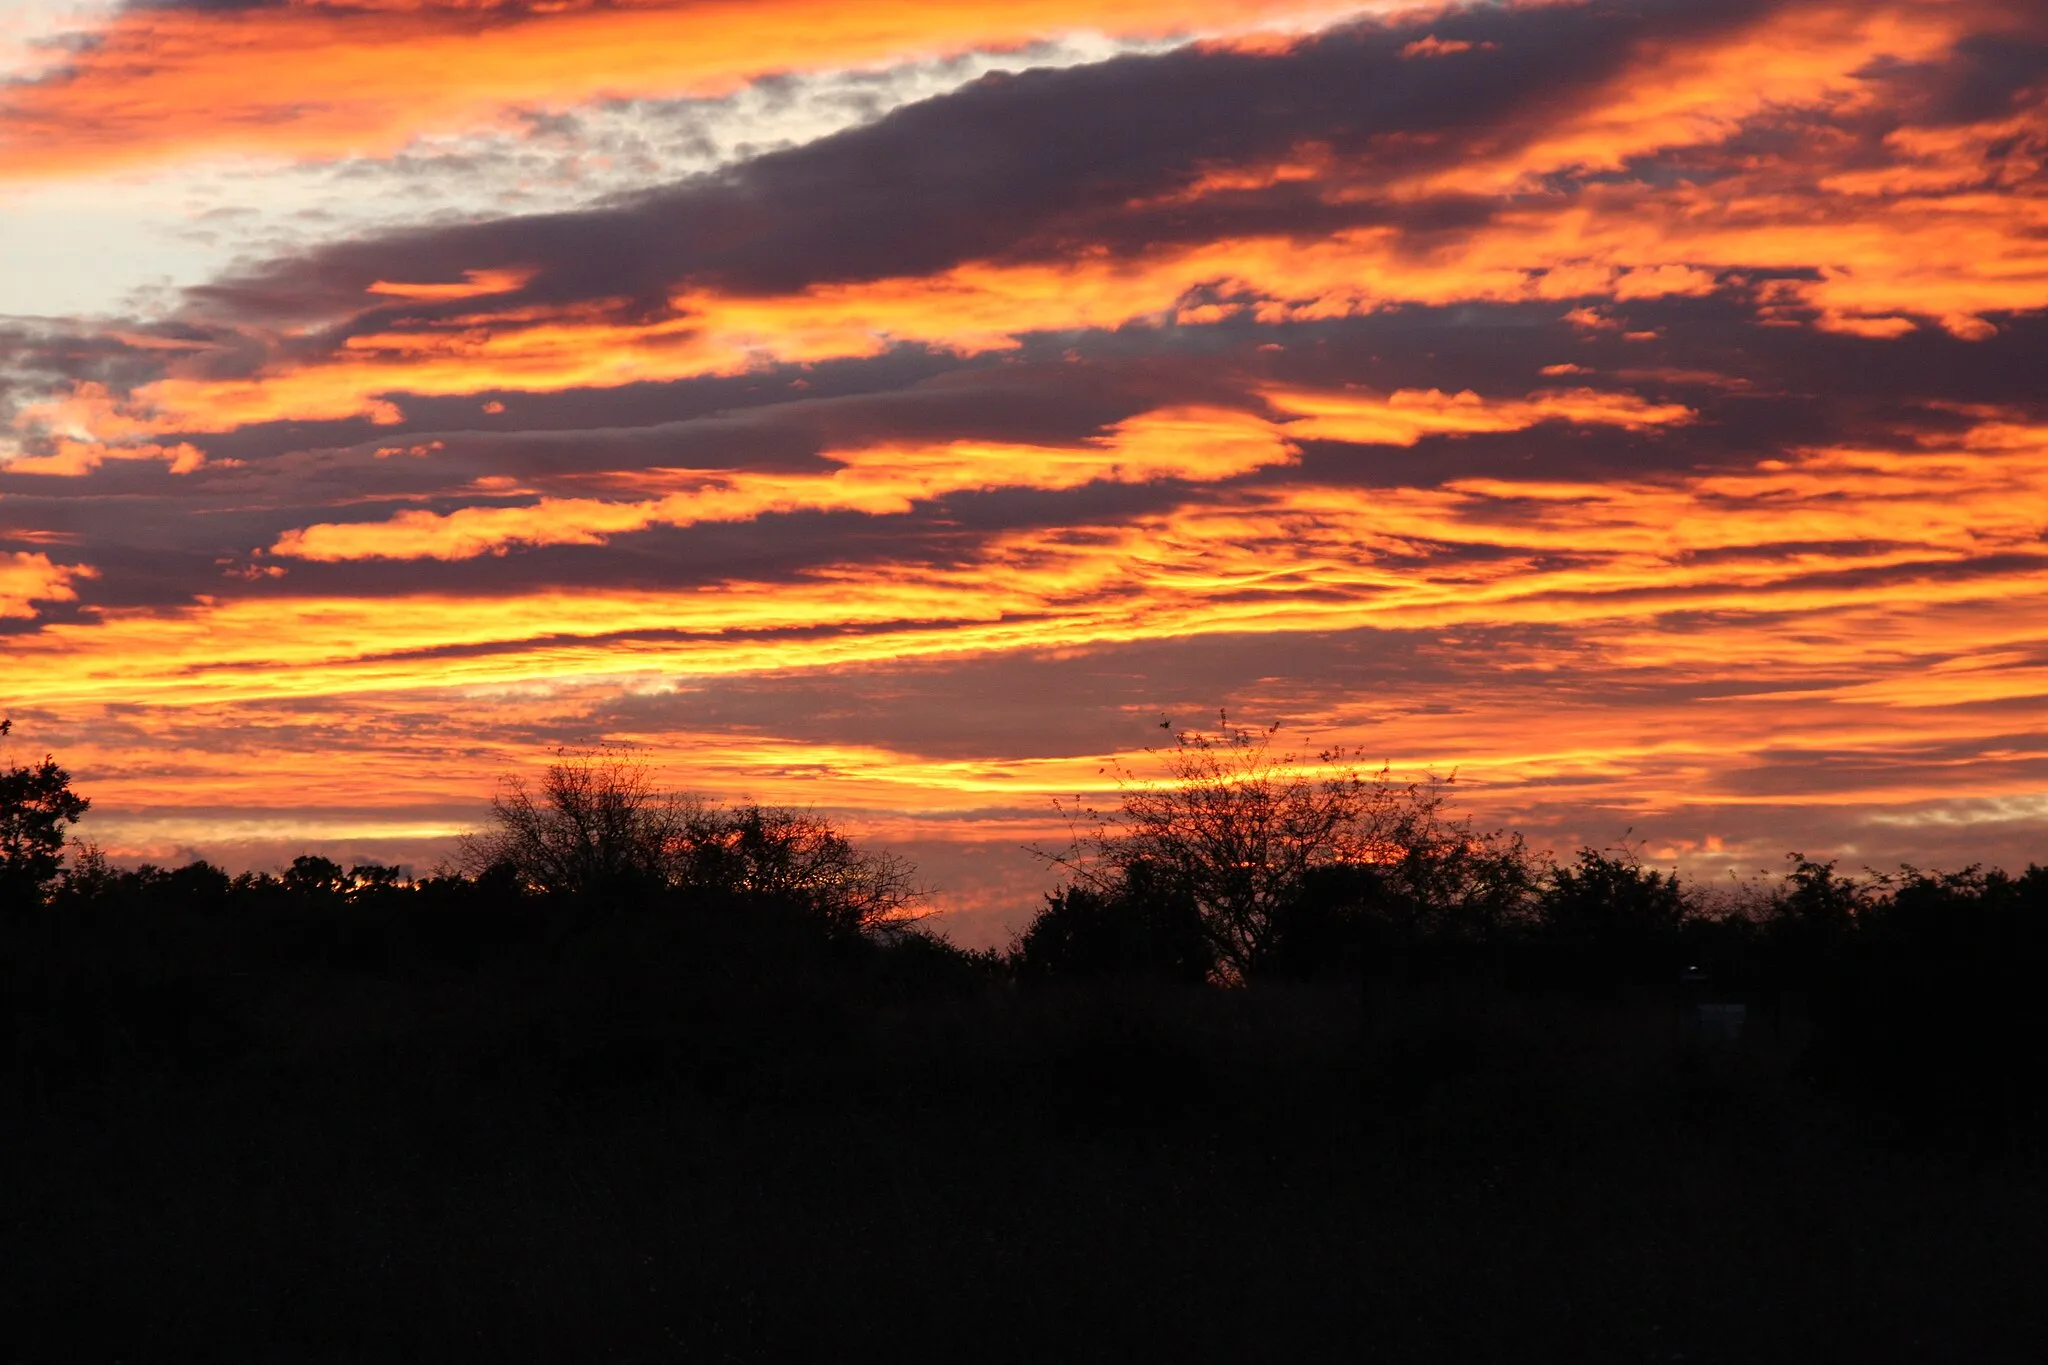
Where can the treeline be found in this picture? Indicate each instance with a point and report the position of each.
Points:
(1239, 868)
(1290, 1064)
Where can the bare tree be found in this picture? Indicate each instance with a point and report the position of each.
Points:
(598, 826)
(1239, 827)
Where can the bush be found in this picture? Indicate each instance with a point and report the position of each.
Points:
(1609, 919)
(1132, 930)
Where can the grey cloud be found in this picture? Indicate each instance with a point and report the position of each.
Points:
(1020, 165)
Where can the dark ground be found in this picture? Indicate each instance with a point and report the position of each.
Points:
(592, 1164)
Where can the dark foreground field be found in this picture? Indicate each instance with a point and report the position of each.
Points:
(607, 1153)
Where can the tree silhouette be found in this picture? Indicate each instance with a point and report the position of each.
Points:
(1240, 831)
(598, 828)
(797, 858)
(314, 876)
(36, 803)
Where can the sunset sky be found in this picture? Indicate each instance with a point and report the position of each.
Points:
(1639, 407)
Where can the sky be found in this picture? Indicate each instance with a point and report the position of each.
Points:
(1636, 408)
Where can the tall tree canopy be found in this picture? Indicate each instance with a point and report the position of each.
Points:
(36, 804)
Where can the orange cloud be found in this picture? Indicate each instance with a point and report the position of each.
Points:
(1198, 445)
(1804, 655)
(71, 458)
(475, 284)
(26, 579)
(1195, 444)
(306, 80)
(1783, 537)
(428, 727)
(1404, 417)
(1433, 46)
(1881, 265)
(1946, 233)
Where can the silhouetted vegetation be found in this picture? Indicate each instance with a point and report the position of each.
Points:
(36, 804)
(600, 833)
(1281, 865)
(1292, 1064)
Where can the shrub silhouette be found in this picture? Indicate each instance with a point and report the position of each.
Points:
(1131, 929)
(1928, 987)
(1609, 919)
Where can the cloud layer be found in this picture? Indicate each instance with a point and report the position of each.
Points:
(1634, 406)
